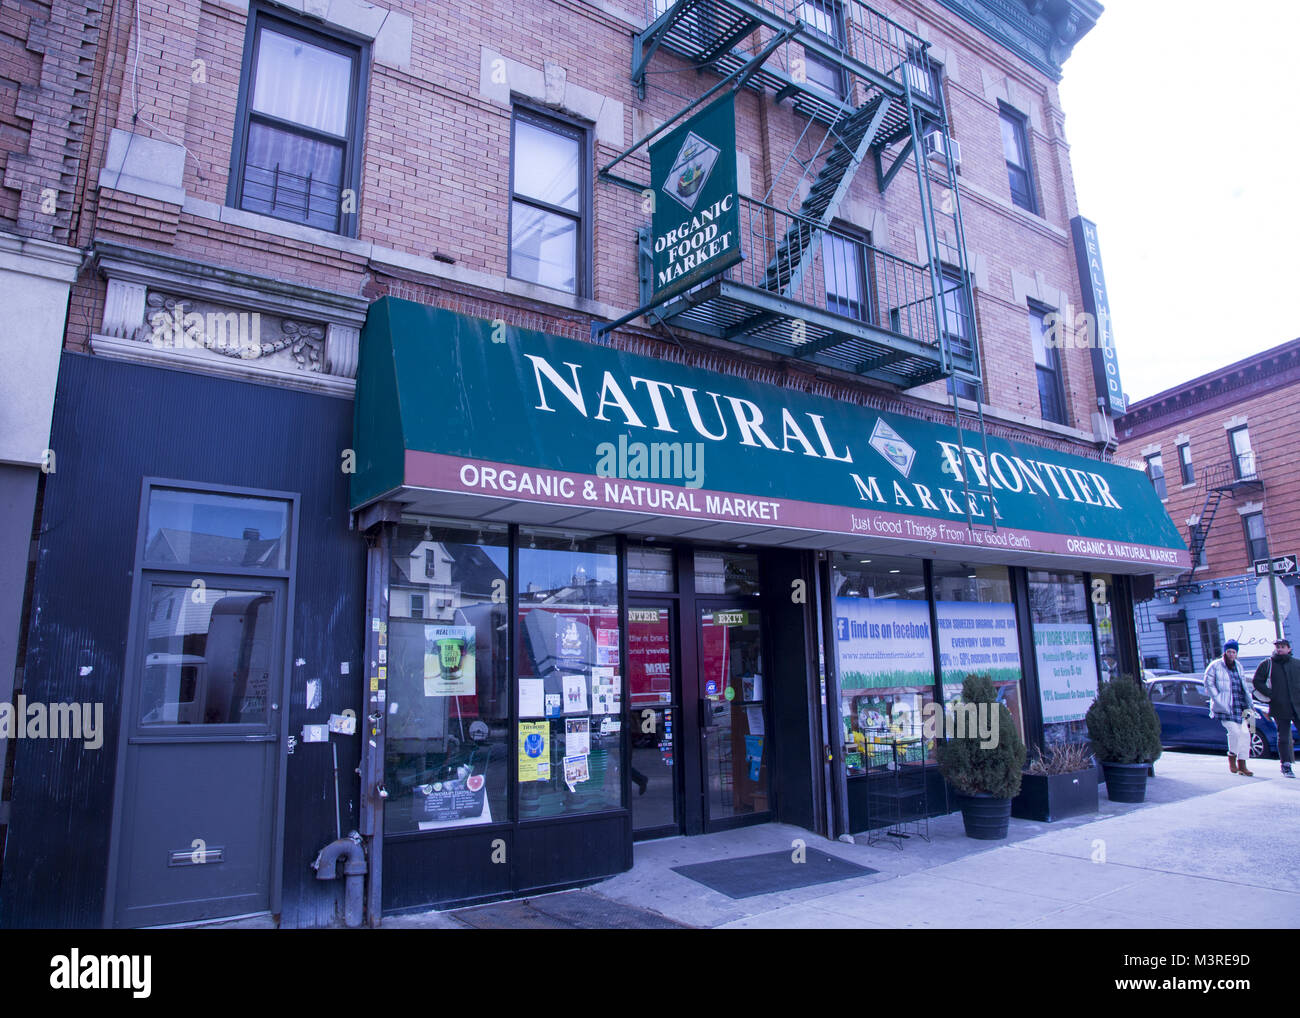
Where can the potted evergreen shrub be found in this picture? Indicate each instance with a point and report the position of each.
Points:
(986, 779)
(1125, 734)
(1059, 783)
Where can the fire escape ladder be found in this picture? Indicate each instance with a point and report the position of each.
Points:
(854, 139)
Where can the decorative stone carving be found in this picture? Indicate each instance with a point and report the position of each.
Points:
(181, 323)
(123, 308)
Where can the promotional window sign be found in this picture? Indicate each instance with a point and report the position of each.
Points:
(696, 218)
(1067, 671)
(883, 643)
(977, 638)
(534, 755)
(449, 661)
(649, 659)
(447, 803)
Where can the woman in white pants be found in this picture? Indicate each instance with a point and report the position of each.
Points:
(1230, 702)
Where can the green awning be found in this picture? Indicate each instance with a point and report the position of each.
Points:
(476, 418)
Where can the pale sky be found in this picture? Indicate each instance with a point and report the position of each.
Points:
(1182, 119)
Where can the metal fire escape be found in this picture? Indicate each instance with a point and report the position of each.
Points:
(910, 322)
(1221, 480)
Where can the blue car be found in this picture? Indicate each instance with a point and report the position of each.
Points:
(1184, 712)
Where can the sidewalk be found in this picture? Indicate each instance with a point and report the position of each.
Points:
(1207, 849)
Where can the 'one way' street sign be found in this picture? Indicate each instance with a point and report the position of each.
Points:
(1284, 566)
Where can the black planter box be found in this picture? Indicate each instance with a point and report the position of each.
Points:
(1048, 797)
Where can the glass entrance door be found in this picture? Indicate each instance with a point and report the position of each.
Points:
(733, 716)
(654, 717)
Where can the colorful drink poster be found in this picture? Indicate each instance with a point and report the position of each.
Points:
(449, 661)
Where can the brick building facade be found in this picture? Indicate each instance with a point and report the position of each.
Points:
(1221, 448)
(264, 189)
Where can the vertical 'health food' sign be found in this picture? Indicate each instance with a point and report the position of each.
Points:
(696, 217)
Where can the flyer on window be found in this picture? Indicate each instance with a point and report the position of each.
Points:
(534, 755)
(575, 694)
(577, 736)
(449, 661)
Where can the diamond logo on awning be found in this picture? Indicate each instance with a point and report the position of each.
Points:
(891, 445)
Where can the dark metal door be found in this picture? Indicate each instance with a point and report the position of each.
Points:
(204, 689)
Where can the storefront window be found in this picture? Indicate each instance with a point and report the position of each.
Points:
(885, 655)
(726, 572)
(650, 568)
(570, 675)
(1064, 652)
(1103, 612)
(210, 530)
(977, 631)
(447, 747)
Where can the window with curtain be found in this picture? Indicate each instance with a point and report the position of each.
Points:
(825, 20)
(298, 139)
(548, 221)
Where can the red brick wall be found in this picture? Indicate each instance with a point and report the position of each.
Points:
(1273, 417)
(436, 156)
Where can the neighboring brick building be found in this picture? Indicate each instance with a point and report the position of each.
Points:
(286, 207)
(1222, 449)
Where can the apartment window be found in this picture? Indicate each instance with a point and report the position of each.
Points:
(1047, 366)
(1156, 471)
(1256, 544)
(1015, 149)
(844, 269)
(959, 330)
(298, 134)
(922, 74)
(1185, 464)
(549, 208)
(1211, 645)
(1243, 457)
(417, 606)
(825, 21)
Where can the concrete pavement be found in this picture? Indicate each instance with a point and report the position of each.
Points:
(1208, 849)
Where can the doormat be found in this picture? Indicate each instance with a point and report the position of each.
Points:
(568, 910)
(752, 875)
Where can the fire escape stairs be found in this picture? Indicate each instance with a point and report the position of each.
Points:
(854, 137)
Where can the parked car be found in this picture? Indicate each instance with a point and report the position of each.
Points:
(1184, 711)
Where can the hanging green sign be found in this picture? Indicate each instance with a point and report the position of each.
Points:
(696, 210)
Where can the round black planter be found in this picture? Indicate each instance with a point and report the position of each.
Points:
(1126, 782)
(985, 817)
